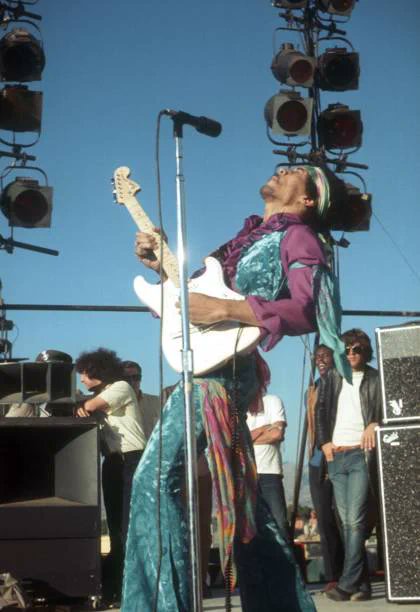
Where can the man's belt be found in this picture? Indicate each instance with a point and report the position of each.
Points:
(342, 449)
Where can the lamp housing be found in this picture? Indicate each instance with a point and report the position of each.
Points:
(20, 109)
(290, 4)
(27, 204)
(337, 7)
(340, 128)
(338, 70)
(354, 212)
(22, 57)
(292, 67)
(288, 113)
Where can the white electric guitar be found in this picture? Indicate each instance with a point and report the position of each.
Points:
(212, 345)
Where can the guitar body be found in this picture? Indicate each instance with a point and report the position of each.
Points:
(212, 345)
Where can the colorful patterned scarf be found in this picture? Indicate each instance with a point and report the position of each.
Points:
(234, 477)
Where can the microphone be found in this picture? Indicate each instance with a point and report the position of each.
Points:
(204, 125)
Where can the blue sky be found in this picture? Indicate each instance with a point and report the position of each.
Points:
(110, 68)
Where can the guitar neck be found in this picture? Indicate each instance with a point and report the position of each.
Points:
(162, 253)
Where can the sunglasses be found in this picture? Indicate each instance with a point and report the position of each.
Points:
(357, 350)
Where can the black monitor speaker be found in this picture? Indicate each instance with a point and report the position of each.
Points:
(399, 479)
(50, 518)
(36, 383)
(398, 349)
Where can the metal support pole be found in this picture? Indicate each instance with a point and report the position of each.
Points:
(187, 374)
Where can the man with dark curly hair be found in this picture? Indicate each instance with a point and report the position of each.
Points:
(114, 404)
(347, 415)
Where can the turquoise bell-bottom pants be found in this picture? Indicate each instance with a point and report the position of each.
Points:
(268, 576)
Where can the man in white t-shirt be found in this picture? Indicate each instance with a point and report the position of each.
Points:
(347, 414)
(267, 432)
(114, 404)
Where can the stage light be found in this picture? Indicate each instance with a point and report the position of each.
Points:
(288, 113)
(26, 204)
(20, 109)
(21, 57)
(340, 128)
(359, 207)
(293, 67)
(354, 213)
(337, 7)
(290, 4)
(338, 70)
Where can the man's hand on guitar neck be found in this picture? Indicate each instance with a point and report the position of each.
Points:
(144, 248)
(206, 310)
(203, 309)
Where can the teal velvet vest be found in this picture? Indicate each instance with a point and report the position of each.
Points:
(259, 270)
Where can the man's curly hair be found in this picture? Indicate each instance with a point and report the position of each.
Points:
(358, 336)
(102, 364)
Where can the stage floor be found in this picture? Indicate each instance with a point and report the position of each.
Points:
(378, 603)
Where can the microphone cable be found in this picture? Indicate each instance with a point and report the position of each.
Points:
(159, 460)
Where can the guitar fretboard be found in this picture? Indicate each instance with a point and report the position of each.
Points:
(163, 254)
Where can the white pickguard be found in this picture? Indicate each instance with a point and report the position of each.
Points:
(212, 345)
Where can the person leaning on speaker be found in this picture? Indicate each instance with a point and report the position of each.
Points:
(114, 404)
(346, 417)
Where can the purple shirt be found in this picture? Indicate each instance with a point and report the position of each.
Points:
(293, 313)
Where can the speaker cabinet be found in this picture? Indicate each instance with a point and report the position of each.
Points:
(50, 519)
(36, 383)
(399, 371)
(399, 479)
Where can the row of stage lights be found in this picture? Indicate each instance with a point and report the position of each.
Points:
(289, 113)
(24, 202)
(335, 131)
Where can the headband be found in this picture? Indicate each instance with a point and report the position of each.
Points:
(322, 186)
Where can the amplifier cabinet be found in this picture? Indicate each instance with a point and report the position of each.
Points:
(50, 513)
(398, 349)
(399, 484)
(36, 383)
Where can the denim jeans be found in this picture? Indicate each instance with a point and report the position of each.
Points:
(349, 476)
(272, 490)
(328, 523)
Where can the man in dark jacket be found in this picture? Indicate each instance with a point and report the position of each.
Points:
(320, 485)
(347, 415)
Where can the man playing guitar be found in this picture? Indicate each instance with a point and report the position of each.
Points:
(276, 262)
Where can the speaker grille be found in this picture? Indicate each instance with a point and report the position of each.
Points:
(399, 371)
(399, 478)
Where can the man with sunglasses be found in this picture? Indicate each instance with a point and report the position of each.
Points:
(149, 404)
(347, 415)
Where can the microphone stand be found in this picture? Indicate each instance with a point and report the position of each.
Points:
(187, 374)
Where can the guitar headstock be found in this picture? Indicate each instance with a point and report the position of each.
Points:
(124, 188)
